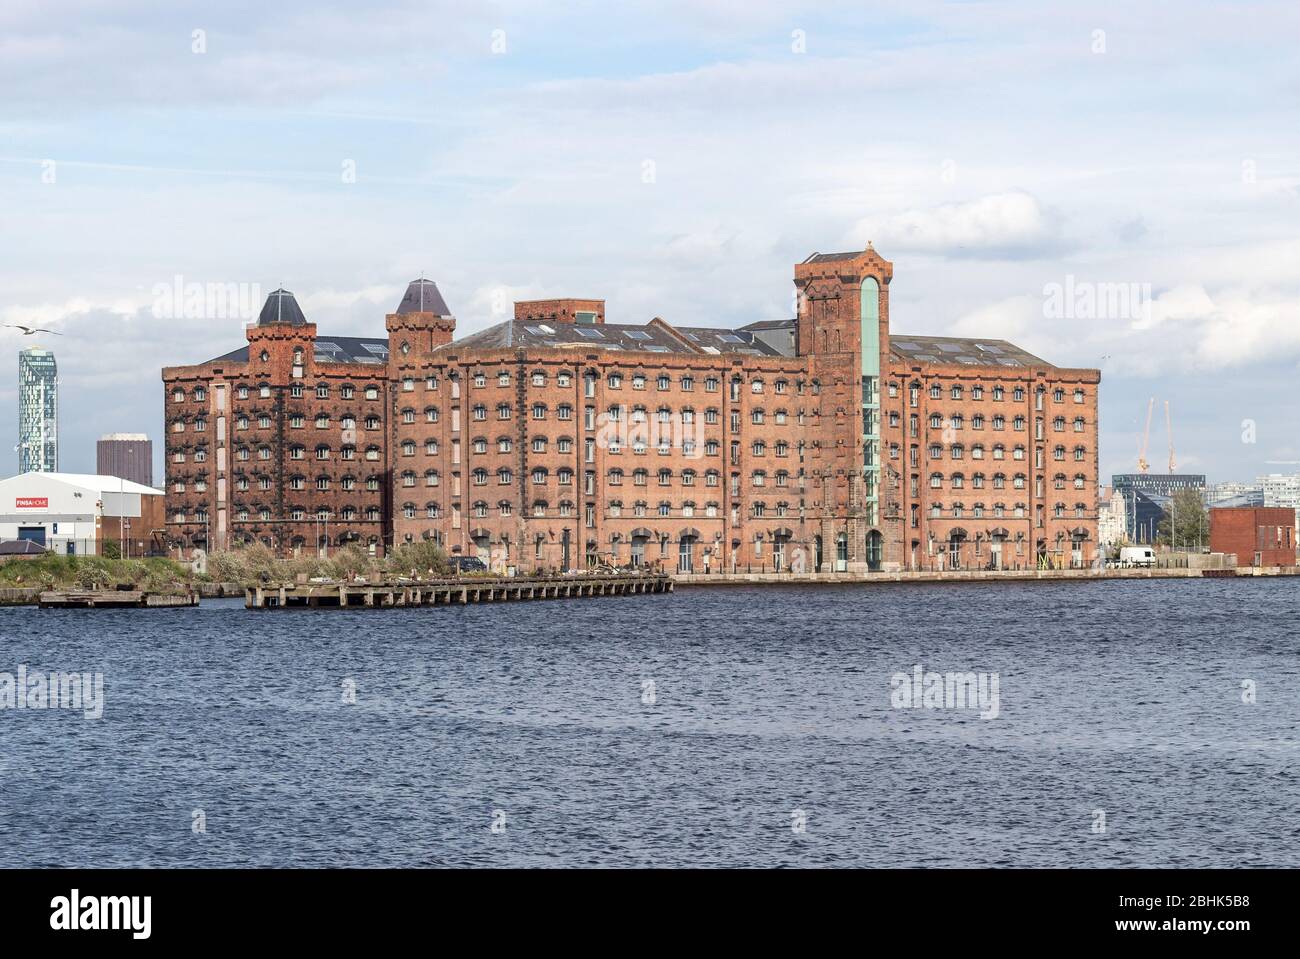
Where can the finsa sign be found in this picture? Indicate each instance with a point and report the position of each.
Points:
(31, 502)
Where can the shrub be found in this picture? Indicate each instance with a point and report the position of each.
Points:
(422, 555)
(227, 566)
(90, 576)
(353, 560)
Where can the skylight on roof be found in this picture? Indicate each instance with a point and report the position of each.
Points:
(657, 348)
(379, 349)
(637, 335)
(589, 333)
(953, 347)
(730, 338)
(692, 337)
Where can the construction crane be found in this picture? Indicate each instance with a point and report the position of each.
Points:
(1169, 429)
(1146, 438)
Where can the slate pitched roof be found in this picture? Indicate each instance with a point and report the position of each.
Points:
(281, 307)
(967, 351)
(423, 296)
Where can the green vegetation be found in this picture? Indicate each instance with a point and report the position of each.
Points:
(246, 565)
(54, 571)
(1185, 524)
(257, 563)
(421, 556)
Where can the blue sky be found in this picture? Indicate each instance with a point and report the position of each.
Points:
(988, 149)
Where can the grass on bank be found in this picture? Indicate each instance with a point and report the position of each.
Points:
(257, 563)
(246, 565)
(54, 571)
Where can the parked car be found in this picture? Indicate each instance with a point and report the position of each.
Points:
(468, 564)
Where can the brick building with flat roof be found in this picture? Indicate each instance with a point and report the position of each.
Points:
(1259, 535)
(556, 439)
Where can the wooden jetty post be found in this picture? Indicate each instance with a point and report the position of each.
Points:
(451, 591)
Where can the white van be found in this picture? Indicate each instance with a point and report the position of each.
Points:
(1137, 556)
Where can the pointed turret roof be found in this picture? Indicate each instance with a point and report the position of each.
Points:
(281, 307)
(422, 296)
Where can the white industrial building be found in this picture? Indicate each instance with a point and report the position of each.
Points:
(76, 513)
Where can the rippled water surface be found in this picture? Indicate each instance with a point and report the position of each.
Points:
(1124, 697)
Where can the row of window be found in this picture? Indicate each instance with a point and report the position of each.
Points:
(998, 451)
(479, 445)
(537, 378)
(371, 514)
(505, 508)
(614, 380)
(998, 422)
(1019, 481)
(242, 483)
(322, 452)
(957, 391)
(639, 381)
(1000, 510)
(322, 391)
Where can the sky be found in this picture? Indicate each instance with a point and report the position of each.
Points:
(676, 159)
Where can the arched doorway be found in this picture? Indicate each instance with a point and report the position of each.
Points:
(956, 553)
(997, 544)
(842, 553)
(1078, 542)
(640, 536)
(482, 541)
(875, 550)
(780, 547)
(686, 541)
(818, 558)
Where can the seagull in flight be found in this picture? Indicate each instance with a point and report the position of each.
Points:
(29, 330)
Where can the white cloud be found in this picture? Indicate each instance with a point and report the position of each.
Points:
(1000, 225)
(522, 176)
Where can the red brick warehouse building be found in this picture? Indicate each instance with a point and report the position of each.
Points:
(556, 439)
(1258, 535)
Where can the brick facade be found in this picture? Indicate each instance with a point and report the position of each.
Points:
(270, 444)
(556, 439)
(1260, 536)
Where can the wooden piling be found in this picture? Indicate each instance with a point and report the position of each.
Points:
(447, 591)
